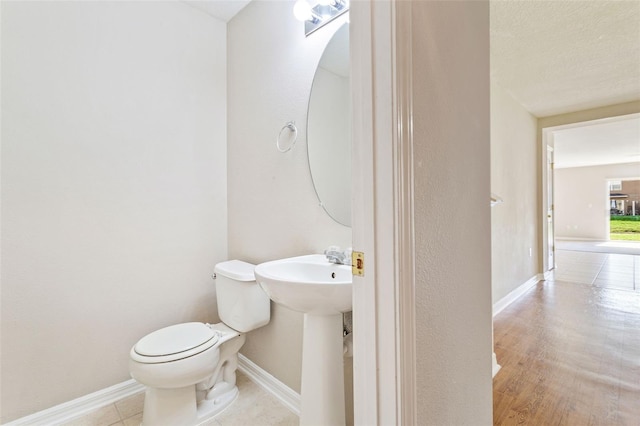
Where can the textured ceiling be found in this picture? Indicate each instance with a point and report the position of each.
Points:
(556, 57)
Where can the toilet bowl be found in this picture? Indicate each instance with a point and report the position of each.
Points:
(189, 369)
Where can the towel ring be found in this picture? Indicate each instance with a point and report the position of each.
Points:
(291, 125)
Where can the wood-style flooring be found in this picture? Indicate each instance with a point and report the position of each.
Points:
(570, 355)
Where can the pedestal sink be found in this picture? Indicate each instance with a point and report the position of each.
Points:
(322, 291)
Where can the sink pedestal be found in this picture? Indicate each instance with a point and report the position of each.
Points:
(322, 394)
(322, 291)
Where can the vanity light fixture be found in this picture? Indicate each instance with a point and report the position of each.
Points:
(318, 13)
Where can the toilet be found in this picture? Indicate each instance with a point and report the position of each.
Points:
(189, 369)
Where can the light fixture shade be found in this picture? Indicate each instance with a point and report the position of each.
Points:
(302, 10)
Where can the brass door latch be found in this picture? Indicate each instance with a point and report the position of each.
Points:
(357, 263)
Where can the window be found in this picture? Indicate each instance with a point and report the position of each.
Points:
(615, 185)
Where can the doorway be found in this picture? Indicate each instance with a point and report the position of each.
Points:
(580, 160)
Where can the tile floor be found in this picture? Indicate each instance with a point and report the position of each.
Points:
(254, 407)
(620, 271)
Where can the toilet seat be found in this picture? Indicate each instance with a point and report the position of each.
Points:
(174, 343)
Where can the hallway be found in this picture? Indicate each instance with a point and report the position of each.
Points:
(570, 347)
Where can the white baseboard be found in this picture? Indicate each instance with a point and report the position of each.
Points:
(516, 294)
(578, 239)
(71, 410)
(79, 407)
(495, 366)
(506, 301)
(287, 396)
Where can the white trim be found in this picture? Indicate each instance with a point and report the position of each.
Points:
(546, 139)
(406, 403)
(547, 143)
(382, 214)
(550, 203)
(84, 405)
(379, 211)
(71, 410)
(598, 240)
(591, 122)
(516, 294)
(283, 393)
(79, 407)
(365, 348)
(495, 366)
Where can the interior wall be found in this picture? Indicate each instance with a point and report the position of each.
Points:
(581, 199)
(273, 209)
(113, 187)
(452, 245)
(514, 223)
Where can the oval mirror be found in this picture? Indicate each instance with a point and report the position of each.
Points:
(329, 129)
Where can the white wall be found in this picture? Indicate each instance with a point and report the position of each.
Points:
(273, 209)
(113, 187)
(514, 223)
(453, 246)
(581, 197)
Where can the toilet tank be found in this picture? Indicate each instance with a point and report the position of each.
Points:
(242, 304)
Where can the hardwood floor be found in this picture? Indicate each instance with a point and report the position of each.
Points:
(570, 355)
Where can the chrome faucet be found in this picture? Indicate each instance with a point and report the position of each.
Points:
(337, 256)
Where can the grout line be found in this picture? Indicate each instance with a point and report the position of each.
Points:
(118, 411)
(635, 267)
(600, 269)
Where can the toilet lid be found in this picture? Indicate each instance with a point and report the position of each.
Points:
(176, 339)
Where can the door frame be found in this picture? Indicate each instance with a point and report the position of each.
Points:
(546, 127)
(547, 145)
(382, 213)
(550, 203)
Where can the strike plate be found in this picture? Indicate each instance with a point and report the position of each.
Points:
(357, 263)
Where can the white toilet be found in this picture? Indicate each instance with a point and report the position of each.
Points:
(190, 369)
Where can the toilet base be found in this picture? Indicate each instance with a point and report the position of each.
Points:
(178, 406)
(170, 406)
(209, 408)
(194, 404)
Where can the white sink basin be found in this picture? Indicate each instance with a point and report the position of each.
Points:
(308, 284)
